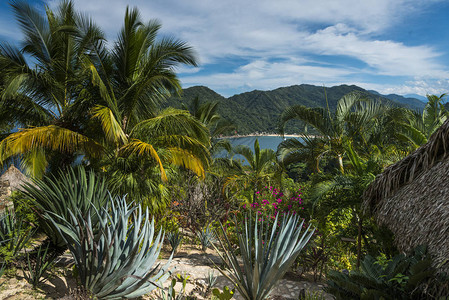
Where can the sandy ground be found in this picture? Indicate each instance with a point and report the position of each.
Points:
(189, 261)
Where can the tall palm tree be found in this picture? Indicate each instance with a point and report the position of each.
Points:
(351, 121)
(79, 84)
(132, 80)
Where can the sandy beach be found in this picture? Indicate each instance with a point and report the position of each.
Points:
(264, 134)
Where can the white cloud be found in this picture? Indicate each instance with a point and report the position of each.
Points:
(384, 57)
(291, 31)
(264, 75)
(419, 86)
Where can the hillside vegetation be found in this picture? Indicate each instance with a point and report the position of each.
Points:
(259, 111)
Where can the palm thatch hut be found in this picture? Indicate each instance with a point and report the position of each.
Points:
(10, 181)
(411, 197)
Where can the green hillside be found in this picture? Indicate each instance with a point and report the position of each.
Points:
(259, 111)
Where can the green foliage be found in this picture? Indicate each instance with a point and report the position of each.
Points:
(226, 294)
(73, 190)
(261, 167)
(115, 256)
(37, 266)
(206, 236)
(416, 127)
(24, 208)
(401, 277)
(267, 254)
(15, 234)
(171, 293)
(2, 270)
(312, 296)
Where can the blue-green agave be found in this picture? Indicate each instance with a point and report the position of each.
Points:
(206, 236)
(267, 252)
(117, 259)
(70, 190)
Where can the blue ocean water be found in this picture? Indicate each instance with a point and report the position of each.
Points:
(265, 142)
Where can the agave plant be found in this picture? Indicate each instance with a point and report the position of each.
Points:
(37, 270)
(206, 236)
(175, 239)
(267, 253)
(117, 259)
(14, 235)
(73, 190)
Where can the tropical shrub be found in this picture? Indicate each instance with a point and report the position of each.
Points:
(399, 278)
(267, 253)
(115, 260)
(198, 202)
(24, 208)
(73, 190)
(270, 201)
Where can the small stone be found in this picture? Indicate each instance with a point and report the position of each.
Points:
(201, 282)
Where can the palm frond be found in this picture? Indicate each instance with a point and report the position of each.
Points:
(316, 117)
(48, 137)
(346, 104)
(35, 30)
(111, 127)
(188, 160)
(34, 163)
(141, 148)
(246, 152)
(173, 122)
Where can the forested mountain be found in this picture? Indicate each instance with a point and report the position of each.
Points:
(259, 111)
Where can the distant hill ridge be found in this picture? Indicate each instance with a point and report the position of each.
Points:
(259, 111)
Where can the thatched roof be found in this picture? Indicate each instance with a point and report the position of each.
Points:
(411, 197)
(14, 177)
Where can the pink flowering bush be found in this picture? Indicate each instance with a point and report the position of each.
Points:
(270, 201)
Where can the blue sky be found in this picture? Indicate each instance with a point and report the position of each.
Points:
(390, 46)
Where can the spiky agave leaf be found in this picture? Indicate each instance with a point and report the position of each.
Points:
(69, 191)
(267, 253)
(116, 260)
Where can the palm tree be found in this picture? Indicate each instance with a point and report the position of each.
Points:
(416, 127)
(49, 100)
(351, 121)
(132, 82)
(79, 84)
(347, 189)
(207, 113)
(261, 167)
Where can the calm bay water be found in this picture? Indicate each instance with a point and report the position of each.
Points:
(265, 142)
